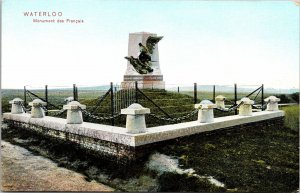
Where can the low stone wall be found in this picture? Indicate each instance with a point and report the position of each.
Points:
(105, 149)
(114, 143)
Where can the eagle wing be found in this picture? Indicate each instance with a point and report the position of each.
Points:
(151, 42)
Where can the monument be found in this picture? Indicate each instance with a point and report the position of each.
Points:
(143, 61)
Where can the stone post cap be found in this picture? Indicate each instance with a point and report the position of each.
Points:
(37, 102)
(135, 109)
(246, 101)
(272, 99)
(74, 105)
(220, 98)
(15, 101)
(205, 104)
(69, 99)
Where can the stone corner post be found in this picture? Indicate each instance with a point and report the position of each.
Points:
(220, 101)
(36, 108)
(206, 111)
(135, 120)
(246, 106)
(16, 106)
(74, 114)
(272, 103)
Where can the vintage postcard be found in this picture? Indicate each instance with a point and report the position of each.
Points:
(155, 96)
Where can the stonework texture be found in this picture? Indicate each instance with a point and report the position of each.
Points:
(117, 152)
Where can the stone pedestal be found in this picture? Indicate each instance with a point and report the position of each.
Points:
(16, 106)
(74, 114)
(135, 121)
(246, 108)
(220, 101)
(150, 80)
(272, 103)
(36, 108)
(206, 111)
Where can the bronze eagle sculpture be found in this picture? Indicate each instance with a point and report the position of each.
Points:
(143, 64)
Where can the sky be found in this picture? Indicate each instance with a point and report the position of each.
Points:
(208, 42)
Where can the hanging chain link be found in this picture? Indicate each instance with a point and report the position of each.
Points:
(230, 101)
(261, 107)
(189, 115)
(232, 108)
(23, 107)
(97, 117)
(265, 106)
(40, 105)
(43, 107)
(59, 112)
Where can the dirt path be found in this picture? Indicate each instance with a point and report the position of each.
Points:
(23, 171)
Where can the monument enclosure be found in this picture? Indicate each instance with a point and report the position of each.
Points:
(152, 79)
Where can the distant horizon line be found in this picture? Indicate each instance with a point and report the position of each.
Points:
(167, 86)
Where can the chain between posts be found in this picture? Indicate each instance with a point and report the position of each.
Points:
(23, 107)
(29, 109)
(232, 102)
(64, 110)
(97, 117)
(175, 119)
(45, 109)
(262, 107)
(59, 112)
(229, 109)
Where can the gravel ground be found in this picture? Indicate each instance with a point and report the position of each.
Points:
(23, 171)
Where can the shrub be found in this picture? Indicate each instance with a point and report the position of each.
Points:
(295, 97)
(291, 119)
(283, 98)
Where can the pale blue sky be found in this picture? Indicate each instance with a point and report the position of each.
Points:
(208, 42)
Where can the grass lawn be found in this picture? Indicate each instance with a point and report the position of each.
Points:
(259, 159)
(250, 160)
